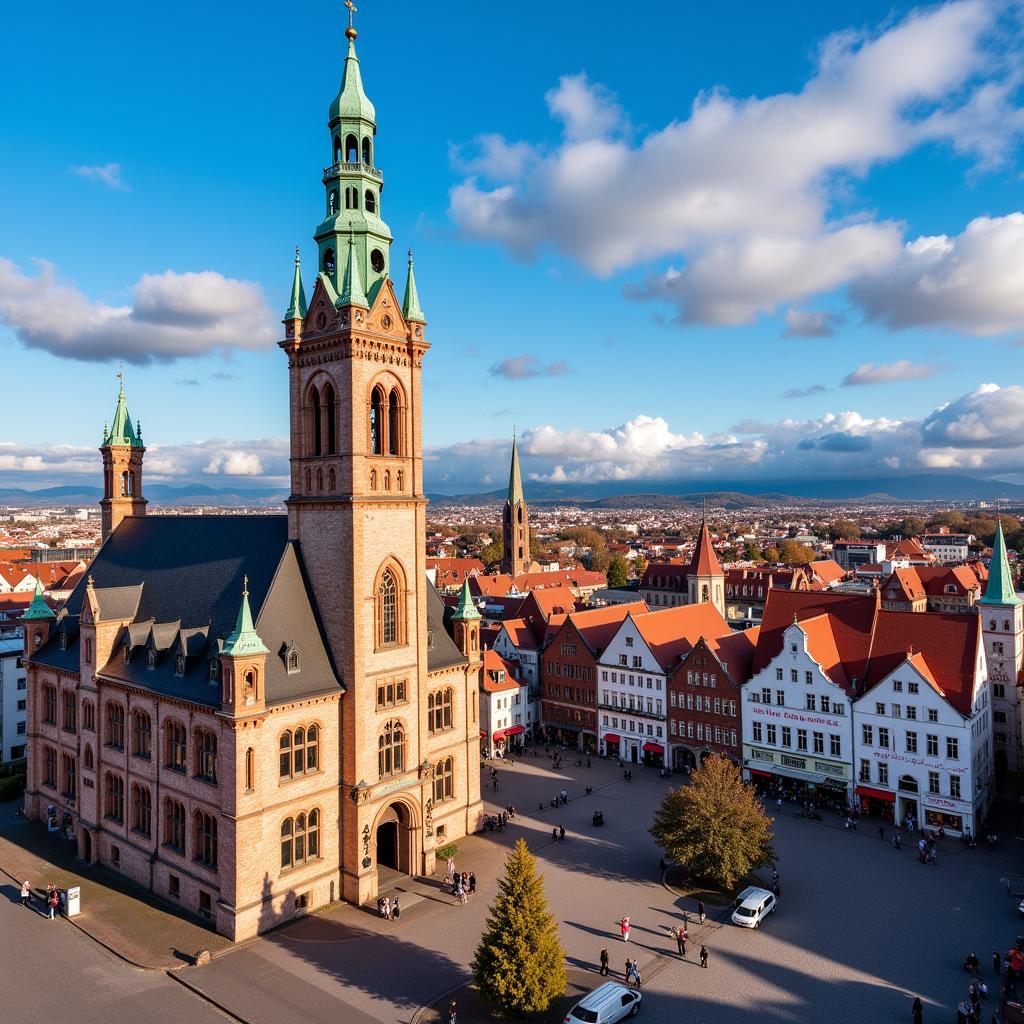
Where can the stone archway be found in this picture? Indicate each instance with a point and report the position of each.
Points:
(394, 839)
(86, 848)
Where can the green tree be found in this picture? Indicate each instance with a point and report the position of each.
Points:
(520, 964)
(715, 827)
(911, 526)
(491, 553)
(618, 572)
(844, 529)
(753, 551)
(639, 566)
(793, 553)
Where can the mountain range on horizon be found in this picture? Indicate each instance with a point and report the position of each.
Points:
(612, 494)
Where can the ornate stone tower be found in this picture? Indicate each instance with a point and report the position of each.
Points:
(1002, 624)
(357, 507)
(515, 522)
(122, 452)
(466, 625)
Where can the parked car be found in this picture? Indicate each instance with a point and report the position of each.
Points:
(608, 1003)
(753, 905)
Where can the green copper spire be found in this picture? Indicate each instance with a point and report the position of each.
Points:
(1000, 589)
(351, 101)
(38, 609)
(465, 610)
(352, 293)
(515, 479)
(297, 303)
(244, 640)
(411, 303)
(121, 431)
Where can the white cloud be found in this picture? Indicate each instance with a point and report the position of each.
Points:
(172, 316)
(739, 192)
(106, 174)
(973, 282)
(235, 463)
(526, 366)
(885, 373)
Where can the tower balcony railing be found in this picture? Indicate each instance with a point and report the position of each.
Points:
(343, 167)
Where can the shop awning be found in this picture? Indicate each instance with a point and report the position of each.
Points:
(514, 730)
(610, 737)
(759, 773)
(500, 735)
(654, 748)
(875, 794)
(483, 735)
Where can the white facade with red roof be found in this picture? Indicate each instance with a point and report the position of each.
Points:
(506, 714)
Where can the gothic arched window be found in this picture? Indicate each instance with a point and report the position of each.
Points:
(369, 202)
(337, 149)
(124, 484)
(329, 420)
(351, 149)
(391, 749)
(394, 429)
(443, 780)
(366, 150)
(314, 415)
(377, 422)
(388, 618)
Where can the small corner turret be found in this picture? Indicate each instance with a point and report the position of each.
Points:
(122, 451)
(243, 660)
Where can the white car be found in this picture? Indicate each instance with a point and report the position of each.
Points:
(608, 1003)
(753, 905)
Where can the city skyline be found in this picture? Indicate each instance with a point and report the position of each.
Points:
(818, 219)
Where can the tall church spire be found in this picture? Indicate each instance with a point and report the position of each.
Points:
(1000, 589)
(353, 183)
(352, 293)
(411, 304)
(297, 302)
(515, 523)
(122, 452)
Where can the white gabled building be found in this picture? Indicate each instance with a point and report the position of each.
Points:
(923, 731)
(506, 713)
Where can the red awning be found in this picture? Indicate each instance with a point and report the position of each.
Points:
(875, 794)
(759, 773)
(514, 730)
(611, 738)
(483, 735)
(654, 748)
(499, 735)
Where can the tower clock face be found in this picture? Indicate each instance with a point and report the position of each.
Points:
(377, 260)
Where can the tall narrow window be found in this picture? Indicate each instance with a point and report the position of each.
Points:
(250, 770)
(387, 599)
(376, 422)
(70, 777)
(114, 797)
(314, 413)
(369, 201)
(394, 433)
(174, 825)
(176, 744)
(124, 484)
(351, 149)
(142, 810)
(142, 735)
(391, 750)
(206, 755)
(331, 431)
(366, 149)
(205, 839)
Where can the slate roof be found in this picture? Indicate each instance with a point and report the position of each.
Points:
(179, 580)
(442, 651)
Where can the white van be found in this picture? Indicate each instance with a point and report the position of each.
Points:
(608, 1003)
(753, 905)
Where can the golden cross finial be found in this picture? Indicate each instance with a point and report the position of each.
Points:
(351, 10)
(245, 586)
(120, 374)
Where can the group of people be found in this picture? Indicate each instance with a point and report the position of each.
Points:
(926, 851)
(388, 908)
(463, 886)
(497, 822)
(558, 833)
(51, 901)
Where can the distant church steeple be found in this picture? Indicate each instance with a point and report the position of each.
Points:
(122, 452)
(515, 521)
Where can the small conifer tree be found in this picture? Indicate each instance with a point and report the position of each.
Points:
(520, 964)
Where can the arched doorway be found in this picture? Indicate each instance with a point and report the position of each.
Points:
(394, 840)
(682, 758)
(86, 846)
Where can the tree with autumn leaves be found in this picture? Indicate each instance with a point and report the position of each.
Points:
(520, 964)
(714, 828)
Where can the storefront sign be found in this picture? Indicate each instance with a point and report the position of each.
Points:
(761, 755)
(830, 769)
(793, 762)
(944, 803)
(764, 711)
(916, 762)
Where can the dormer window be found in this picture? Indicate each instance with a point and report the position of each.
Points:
(501, 675)
(151, 658)
(291, 660)
(214, 670)
(179, 665)
(127, 653)
(63, 640)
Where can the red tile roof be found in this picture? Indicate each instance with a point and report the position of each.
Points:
(493, 664)
(671, 632)
(827, 570)
(736, 652)
(596, 626)
(705, 561)
(452, 571)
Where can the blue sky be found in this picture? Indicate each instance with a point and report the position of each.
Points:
(657, 244)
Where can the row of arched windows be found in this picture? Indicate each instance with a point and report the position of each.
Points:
(331, 481)
(386, 477)
(321, 409)
(386, 422)
(300, 839)
(299, 751)
(351, 150)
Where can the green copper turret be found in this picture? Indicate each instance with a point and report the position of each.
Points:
(244, 641)
(297, 302)
(38, 609)
(1000, 589)
(121, 431)
(465, 611)
(353, 185)
(411, 303)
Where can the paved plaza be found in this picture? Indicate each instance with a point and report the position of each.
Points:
(861, 927)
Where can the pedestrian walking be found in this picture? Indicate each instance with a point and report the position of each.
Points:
(997, 960)
(53, 901)
(396, 910)
(636, 974)
(453, 1013)
(561, 831)
(778, 805)
(472, 884)
(624, 928)
(26, 893)
(554, 835)
(881, 831)
(917, 1010)
(604, 963)
(387, 908)
(700, 911)
(897, 840)
(681, 941)
(703, 956)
